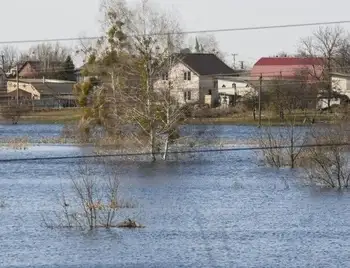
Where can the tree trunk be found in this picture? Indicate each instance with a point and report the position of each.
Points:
(166, 148)
(152, 141)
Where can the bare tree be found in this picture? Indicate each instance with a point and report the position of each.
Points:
(47, 52)
(94, 202)
(328, 166)
(132, 56)
(328, 43)
(50, 56)
(136, 106)
(9, 56)
(171, 113)
(284, 145)
(13, 111)
(206, 43)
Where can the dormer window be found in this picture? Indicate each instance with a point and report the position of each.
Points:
(187, 76)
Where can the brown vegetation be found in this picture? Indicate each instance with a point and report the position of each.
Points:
(284, 145)
(322, 151)
(329, 165)
(13, 112)
(95, 201)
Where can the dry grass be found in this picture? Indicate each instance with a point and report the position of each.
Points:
(234, 115)
(19, 143)
(267, 118)
(54, 116)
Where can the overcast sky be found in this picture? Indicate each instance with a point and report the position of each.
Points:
(41, 19)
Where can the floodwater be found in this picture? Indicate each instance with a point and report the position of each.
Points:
(214, 210)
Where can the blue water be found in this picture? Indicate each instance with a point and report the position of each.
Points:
(214, 210)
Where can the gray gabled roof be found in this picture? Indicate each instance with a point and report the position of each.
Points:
(50, 87)
(54, 88)
(205, 64)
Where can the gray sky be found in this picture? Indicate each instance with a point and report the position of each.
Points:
(40, 19)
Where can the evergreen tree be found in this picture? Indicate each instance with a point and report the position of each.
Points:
(68, 72)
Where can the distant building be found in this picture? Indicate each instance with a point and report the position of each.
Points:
(37, 69)
(232, 89)
(341, 83)
(44, 93)
(340, 91)
(194, 78)
(287, 68)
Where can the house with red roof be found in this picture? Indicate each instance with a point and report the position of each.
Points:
(287, 68)
(296, 71)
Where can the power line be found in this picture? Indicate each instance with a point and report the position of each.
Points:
(183, 32)
(174, 152)
(266, 27)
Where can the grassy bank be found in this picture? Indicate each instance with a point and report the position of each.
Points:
(266, 119)
(71, 115)
(52, 117)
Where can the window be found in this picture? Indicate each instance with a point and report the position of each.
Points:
(209, 92)
(234, 85)
(187, 95)
(223, 86)
(187, 76)
(165, 76)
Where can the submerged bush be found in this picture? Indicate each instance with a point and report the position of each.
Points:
(95, 202)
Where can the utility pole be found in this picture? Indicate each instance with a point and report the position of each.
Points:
(260, 86)
(17, 80)
(242, 64)
(234, 60)
(3, 62)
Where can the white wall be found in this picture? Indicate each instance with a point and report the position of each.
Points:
(241, 87)
(176, 77)
(12, 86)
(341, 85)
(206, 83)
(323, 103)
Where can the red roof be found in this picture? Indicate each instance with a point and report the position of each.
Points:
(287, 68)
(289, 61)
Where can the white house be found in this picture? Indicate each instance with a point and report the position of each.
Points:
(194, 78)
(340, 85)
(48, 93)
(232, 88)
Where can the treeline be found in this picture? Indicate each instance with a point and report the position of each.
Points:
(55, 60)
